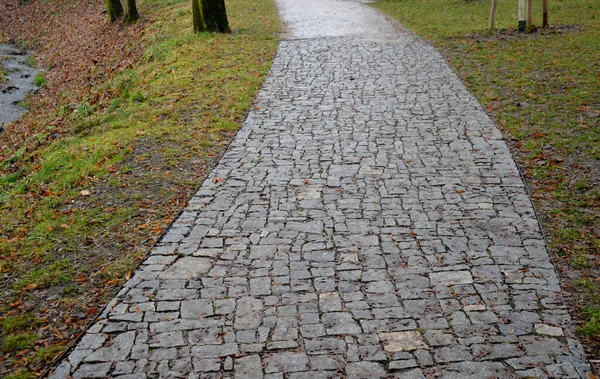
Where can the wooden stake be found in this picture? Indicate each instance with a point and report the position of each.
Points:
(493, 15)
(545, 13)
(529, 26)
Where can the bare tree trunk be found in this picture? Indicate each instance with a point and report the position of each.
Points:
(529, 16)
(493, 15)
(215, 16)
(522, 22)
(198, 19)
(545, 13)
(131, 13)
(114, 9)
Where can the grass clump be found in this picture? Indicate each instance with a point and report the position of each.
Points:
(18, 323)
(31, 61)
(39, 80)
(542, 89)
(19, 341)
(591, 327)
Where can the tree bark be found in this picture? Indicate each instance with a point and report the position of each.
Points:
(197, 17)
(493, 15)
(545, 13)
(131, 13)
(529, 16)
(114, 9)
(215, 16)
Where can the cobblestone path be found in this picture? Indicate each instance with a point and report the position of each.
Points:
(368, 221)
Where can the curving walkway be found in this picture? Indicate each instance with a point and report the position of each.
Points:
(368, 221)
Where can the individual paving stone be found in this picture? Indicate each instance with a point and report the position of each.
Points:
(452, 354)
(97, 370)
(340, 323)
(548, 330)
(260, 286)
(187, 268)
(214, 351)
(286, 362)
(330, 302)
(438, 338)
(450, 278)
(248, 314)
(362, 370)
(206, 365)
(196, 309)
(477, 370)
(249, 367)
(402, 341)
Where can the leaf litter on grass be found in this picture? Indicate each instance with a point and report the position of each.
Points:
(109, 153)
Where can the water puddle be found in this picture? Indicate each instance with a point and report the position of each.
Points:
(19, 75)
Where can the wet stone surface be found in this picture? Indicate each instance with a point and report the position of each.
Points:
(370, 223)
(19, 82)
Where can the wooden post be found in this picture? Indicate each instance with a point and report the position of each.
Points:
(493, 15)
(522, 22)
(545, 13)
(529, 26)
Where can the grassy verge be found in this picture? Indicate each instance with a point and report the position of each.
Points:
(81, 203)
(543, 90)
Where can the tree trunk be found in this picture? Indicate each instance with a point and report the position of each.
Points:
(131, 13)
(114, 9)
(529, 16)
(198, 19)
(522, 22)
(493, 15)
(215, 16)
(545, 13)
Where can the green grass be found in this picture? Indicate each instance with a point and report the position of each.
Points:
(78, 211)
(19, 323)
(39, 80)
(19, 341)
(31, 61)
(543, 90)
(592, 327)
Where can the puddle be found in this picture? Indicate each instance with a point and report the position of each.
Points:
(20, 82)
